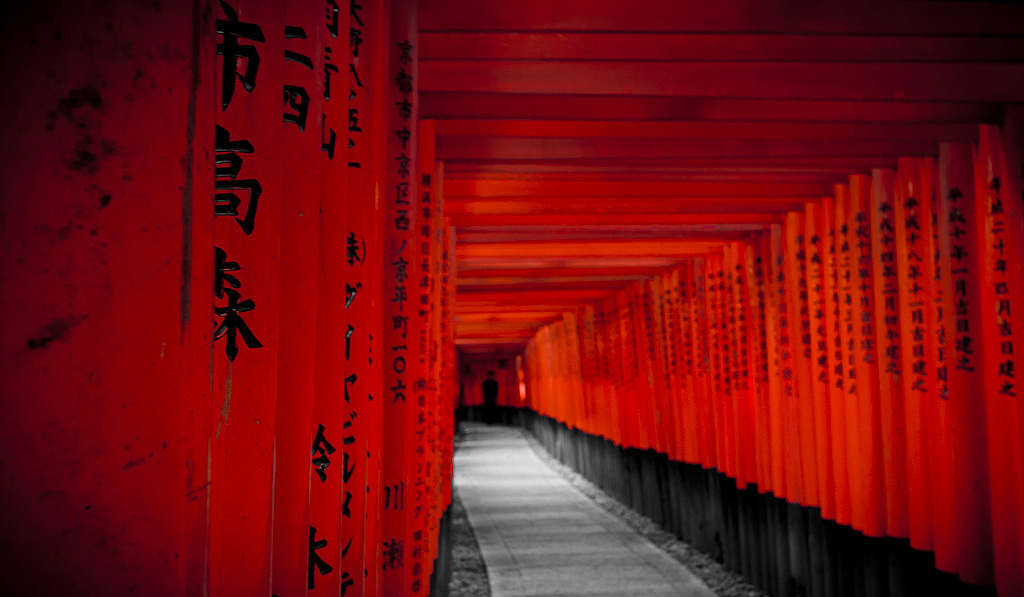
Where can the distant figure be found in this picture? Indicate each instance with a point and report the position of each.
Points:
(490, 388)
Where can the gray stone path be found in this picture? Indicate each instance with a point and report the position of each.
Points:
(540, 536)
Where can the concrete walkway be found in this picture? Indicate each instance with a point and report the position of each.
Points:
(540, 536)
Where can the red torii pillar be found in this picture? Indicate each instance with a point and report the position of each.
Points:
(178, 296)
(106, 298)
(399, 201)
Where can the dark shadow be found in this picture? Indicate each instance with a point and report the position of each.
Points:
(490, 389)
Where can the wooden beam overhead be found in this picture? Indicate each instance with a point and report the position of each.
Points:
(456, 149)
(699, 129)
(492, 343)
(716, 47)
(498, 188)
(518, 283)
(681, 205)
(591, 144)
(579, 273)
(518, 261)
(546, 285)
(520, 331)
(517, 315)
(470, 354)
(711, 220)
(558, 299)
(668, 247)
(925, 82)
(494, 234)
(576, 105)
(678, 170)
(872, 17)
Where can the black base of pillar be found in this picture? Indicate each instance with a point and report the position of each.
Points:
(499, 415)
(785, 549)
(442, 574)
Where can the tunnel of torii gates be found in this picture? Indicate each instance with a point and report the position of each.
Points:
(252, 250)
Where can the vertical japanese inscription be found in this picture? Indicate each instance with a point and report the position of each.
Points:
(938, 302)
(356, 71)
(865, 334)
(1000, 281)
(818, 306)
(891, 403)
(915, 290)
(424, 386)
(350, 48)
(399, 467)
(785, 358)
(960, 274)
(233, 44)
(885, 266)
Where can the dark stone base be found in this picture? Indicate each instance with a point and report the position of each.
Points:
(785, 549)
(498, 415)
(442, 573)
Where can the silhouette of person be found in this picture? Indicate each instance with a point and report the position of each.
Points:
(490, 388)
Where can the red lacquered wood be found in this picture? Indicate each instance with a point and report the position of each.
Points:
(889, 350)
(963, 529)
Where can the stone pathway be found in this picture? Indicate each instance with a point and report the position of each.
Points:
(540, 536)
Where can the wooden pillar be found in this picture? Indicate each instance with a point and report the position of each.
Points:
(399, 203)
(248, 203)
(107, 298)
(783, 432)
(913, 231)
(303, 544)
(360, 143)
(865, 350)
(849, 318)
(802, 400)
(963, 529)
(330, 508)
(421, 394)
(1012, 182)
(757, 289)
(818, 304)
(889, 351)
(1002, 294)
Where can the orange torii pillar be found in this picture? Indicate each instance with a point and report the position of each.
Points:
(963, 529)
(1000, 261)
(913, 211)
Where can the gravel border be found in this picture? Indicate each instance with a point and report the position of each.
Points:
(719, 579)
(469, 573)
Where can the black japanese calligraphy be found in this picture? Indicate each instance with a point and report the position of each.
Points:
(322, 449)
(228, 167)
(316, 563)
(231, 29)
(233, 324)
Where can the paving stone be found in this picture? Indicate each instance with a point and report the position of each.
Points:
(540, 536)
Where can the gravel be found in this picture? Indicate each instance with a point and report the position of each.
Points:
(469, 573)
